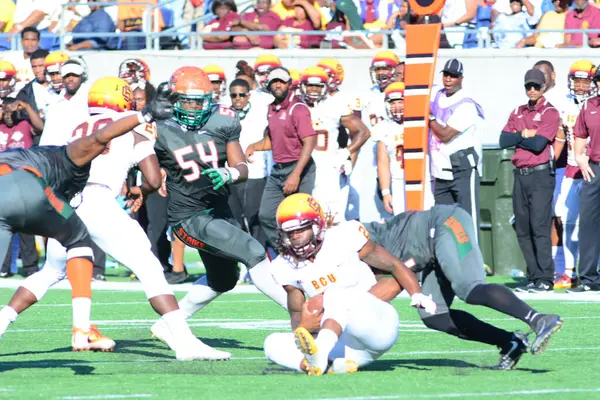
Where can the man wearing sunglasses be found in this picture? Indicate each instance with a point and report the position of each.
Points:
(531, 129)
(244, 198)
(454, 143)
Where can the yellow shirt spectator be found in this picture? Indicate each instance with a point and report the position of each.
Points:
(285, 13)
(551, 21)
(7, 11)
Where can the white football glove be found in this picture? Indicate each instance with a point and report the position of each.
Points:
(419, 300)
(341, 158)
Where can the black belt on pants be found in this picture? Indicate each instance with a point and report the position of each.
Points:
(594, 162)
(284, 164)
(530, 170)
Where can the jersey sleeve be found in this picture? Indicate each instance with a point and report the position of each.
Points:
(148, 131)
(279, 270)
(356, 236)
(142, 150)
(378, 133)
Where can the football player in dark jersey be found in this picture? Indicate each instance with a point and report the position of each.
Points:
(440, 244)
(36, 185)
(193, 147)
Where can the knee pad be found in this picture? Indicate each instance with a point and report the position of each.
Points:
(41, 281)
(256, 253)
(442, 323)
(225, 282)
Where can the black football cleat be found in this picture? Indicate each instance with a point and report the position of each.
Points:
(544, 326)
(512, 352)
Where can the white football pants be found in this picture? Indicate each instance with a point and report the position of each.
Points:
(567, 209)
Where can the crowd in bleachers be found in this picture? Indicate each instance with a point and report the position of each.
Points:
(467, 23)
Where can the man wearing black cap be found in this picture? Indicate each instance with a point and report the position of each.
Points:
(454, 143)
(531, 128)
(292, 139)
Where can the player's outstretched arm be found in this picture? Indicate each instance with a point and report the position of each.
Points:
(378, 257)
(82, 151)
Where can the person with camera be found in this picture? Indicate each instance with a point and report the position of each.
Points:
(16, 131)
(531, 129)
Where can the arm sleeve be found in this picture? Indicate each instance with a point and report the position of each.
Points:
(510, 139)
(536, 144)
(302, 120)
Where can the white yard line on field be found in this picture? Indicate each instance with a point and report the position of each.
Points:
(108, 396)
(534, 392)
(251, 289)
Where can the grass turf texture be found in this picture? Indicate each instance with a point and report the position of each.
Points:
(36, 360)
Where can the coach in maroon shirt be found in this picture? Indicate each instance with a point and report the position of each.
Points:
(587, 127)
(292, 139)
(531, 129)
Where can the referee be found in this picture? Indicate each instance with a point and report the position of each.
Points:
(531, 128)
(587, 127)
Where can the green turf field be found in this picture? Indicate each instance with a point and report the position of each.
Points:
(36, 360)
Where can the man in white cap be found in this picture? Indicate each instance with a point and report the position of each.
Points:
(71, 110)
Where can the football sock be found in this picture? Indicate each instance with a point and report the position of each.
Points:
(7, 316)
(325, 342)
(476, 330)
(198, 297)
(79, 273)
(179, 328)
(501, 298)
(264, 281)
(82, 308)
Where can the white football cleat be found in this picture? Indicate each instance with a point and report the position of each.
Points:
(161, 331)
(197, 350)
(91, 341)
(343, 366)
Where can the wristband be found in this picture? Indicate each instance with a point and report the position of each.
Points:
(560, 140)
(385, 192)
(234, 173)
(141, 118)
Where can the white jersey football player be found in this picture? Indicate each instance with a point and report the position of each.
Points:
(113, 230)
(329, 114)
(329, 264)
(383, 71)
(581, 88)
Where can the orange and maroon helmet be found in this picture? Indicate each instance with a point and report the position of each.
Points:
(299, 211)
(52, 64)
(216, 74)
(8, 78)
(313, 76)
(335, 70)
(262, 66)
(383, 67)
(112, 93)
(582, 70)
(395, 91)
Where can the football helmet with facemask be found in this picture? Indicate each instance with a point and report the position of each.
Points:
(8, 76)
(383, 68)
(393, 92)
(194, 104)
(313, 76)
(582, 71)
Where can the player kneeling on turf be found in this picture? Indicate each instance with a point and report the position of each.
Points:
(355, 327)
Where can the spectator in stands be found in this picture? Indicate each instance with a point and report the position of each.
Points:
(192, 10)
(515, 21)
(7, 11)
(38, 93)
(583, 16)
(30, 41)
(226, 13)
(285, 9)
(375, 14)
(552, 20)
(97, 21)
(16, 132)
(299, 23)
(456, 16)
(399, 18)
(130, 20)
(260, 20)
(34, 13)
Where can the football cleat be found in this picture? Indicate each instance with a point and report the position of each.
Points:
(342, 366)
(92, 340)
(565, 282)
(161, 331)
(305, 342)
(525, 288)
(195, 349)
(545, 326)
(512, 352)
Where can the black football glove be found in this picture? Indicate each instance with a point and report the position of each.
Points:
(162, 105)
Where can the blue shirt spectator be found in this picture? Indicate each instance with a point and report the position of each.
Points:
(97, 22)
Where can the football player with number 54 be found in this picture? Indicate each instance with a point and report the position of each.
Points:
(193, 148)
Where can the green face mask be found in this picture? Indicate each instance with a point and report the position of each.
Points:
(193, 119)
